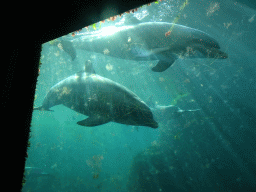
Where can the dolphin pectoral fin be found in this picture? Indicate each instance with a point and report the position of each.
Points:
(93, 121)
(69, 49)
(163, 65)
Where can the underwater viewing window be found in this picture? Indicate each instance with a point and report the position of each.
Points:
(159, 98)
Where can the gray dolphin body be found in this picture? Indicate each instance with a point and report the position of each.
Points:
(168, 112)
(148, 41)
(102, 99)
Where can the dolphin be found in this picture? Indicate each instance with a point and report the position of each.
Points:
(162, 41)
(102, 99)
(34, 172)
(166, 112)
(169, 111)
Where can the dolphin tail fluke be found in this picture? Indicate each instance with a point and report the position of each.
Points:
(93, 121)
(163, 65)
(69, 49)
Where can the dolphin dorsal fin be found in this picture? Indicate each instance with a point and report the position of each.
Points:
(131, 20)
(88, 68)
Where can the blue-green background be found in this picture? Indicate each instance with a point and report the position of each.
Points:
(212, 150)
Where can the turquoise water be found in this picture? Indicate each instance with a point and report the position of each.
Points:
(212, 149)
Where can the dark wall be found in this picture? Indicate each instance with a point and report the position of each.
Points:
(26, 26)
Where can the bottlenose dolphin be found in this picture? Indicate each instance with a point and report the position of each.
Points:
(102, 99)
(161, 41)
(166, 112)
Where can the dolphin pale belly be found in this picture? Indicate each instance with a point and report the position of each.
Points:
(102, 99)
(161, 41)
